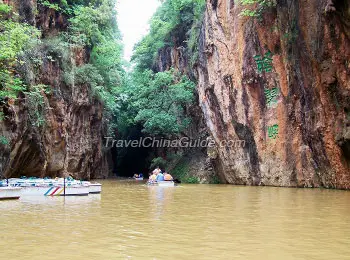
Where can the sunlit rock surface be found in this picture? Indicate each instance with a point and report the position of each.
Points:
(282, 84)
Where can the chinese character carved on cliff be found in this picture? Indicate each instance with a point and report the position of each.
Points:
(264, 63)
(271, 96)
(272, 131)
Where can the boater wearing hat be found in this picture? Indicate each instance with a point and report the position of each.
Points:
(168, 177)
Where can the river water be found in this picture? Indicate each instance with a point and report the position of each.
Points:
(133, 221)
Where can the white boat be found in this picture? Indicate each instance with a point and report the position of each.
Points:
(50, 187)
(7, 193)
(94, 188)
(138, 179)
(162, 183)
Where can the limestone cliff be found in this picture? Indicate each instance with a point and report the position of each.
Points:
(281, 83)
(69, 141)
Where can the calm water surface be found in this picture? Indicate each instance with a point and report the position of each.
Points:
(132, 221)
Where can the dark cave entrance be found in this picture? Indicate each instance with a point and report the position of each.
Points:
(130, 160)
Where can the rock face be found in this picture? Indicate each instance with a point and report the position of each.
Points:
(281, 85)
(70, 140)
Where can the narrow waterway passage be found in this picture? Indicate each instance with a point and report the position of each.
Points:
(132, 221)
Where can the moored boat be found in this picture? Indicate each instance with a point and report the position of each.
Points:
(8, 193)
(50, 187)
(94, 188)
(138, 179)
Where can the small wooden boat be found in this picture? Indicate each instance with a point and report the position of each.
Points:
(10, 193)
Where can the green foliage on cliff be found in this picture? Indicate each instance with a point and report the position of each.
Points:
(4, 9)
(181, 171)
(14, 38)
(48, 4)
(174, 24)
(256, 7)
(94, 24)
(92, 27)
(160, 100)
(67, 6)
(158, 162)
(4, 141)
(36, 104)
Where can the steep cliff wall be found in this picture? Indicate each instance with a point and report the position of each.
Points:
(281, 83)
(68, 139)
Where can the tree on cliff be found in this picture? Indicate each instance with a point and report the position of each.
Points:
(92, 27)
(14, 37)
(158, 100)
(176, 22)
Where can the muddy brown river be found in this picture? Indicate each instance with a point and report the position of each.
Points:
(132, 221)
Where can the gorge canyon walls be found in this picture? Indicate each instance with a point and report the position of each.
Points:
(278, 82)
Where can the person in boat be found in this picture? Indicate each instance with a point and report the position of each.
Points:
(140, 175)
(168, 177)
(152, 178)
(136, 176)
(156, 171)
(160, 176)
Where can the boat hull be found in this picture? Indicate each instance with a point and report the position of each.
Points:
(163, 184)
(55, 191)
(10, 193)
(95, 188)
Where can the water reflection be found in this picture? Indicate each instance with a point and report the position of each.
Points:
(68, 200)
(9, 205)
(159, 198)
